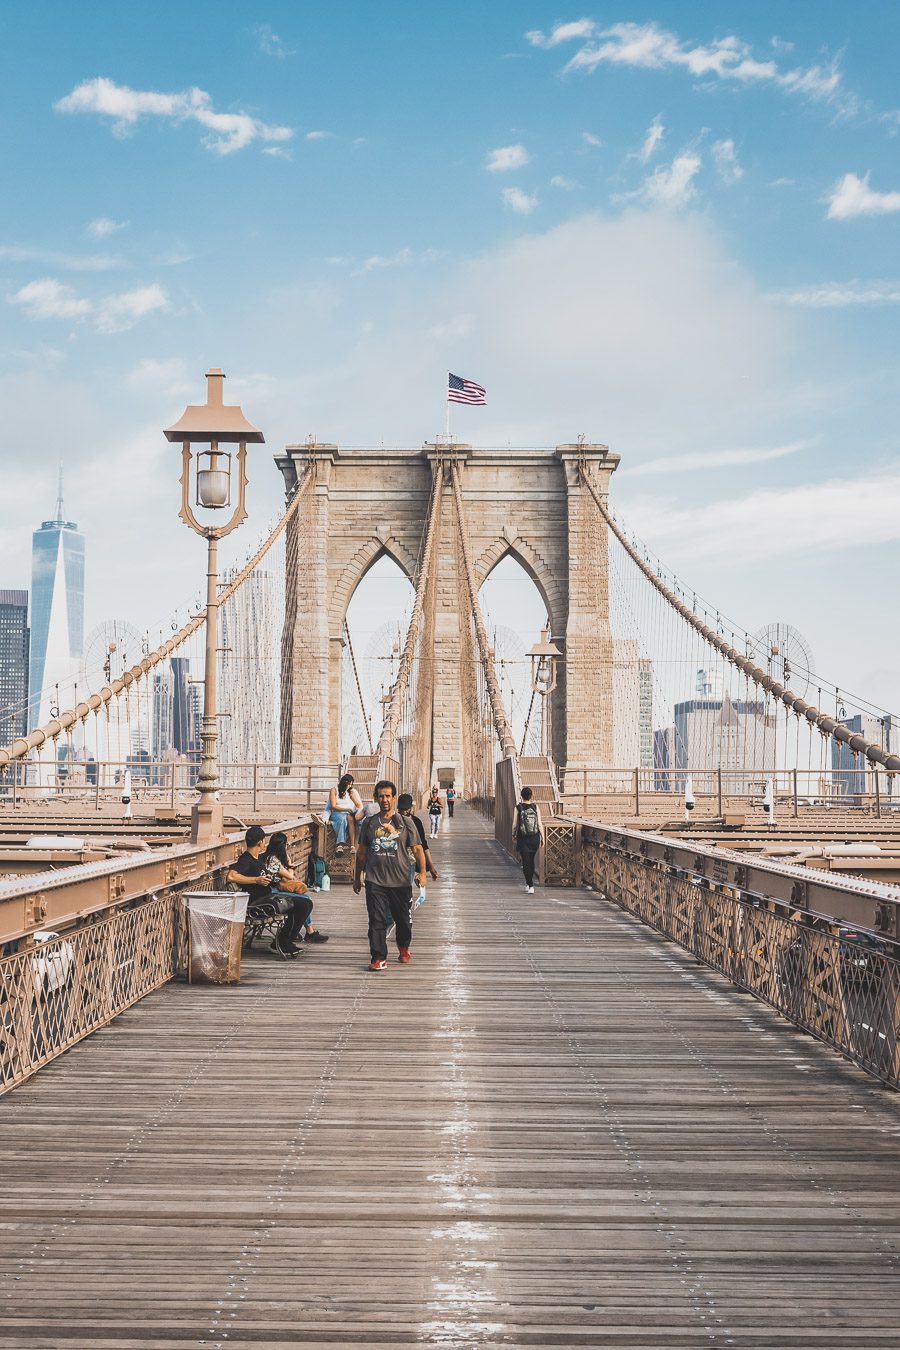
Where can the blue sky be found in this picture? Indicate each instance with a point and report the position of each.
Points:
(671, 227)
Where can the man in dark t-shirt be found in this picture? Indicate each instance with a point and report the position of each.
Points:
(386, 841)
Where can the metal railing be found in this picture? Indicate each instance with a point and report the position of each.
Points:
(118, 933)
(587, 789)
(244, 787)
(840, 984)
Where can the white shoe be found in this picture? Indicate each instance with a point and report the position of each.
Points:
(530, 890)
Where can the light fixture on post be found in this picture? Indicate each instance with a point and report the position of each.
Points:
(215, 424)
(544, 656)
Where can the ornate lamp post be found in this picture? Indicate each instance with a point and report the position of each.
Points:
(544, 656)
(212, 423)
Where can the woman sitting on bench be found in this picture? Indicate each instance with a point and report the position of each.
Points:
(283, 878)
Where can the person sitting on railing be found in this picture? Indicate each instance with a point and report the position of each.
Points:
(344, 809)
(283, 878)
(247, 874)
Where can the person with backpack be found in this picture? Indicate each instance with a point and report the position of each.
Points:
(435, 811)
(528, 832)
(451, 798)
(405, 807)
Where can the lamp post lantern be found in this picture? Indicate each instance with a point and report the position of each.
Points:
(216, 481)
(544, 656)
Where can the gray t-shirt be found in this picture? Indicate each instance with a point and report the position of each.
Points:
(389, 845)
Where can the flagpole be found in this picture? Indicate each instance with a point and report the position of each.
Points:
(448, 409)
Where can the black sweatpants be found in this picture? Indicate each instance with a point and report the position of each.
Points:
(450, 805)
(528, 846)
(301, 908)
(385, 903)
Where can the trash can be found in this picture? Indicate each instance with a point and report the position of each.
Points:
(215, 935)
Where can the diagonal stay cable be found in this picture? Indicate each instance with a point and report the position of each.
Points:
(398, 692)
(21, 747)
(829, 726)
(498, 712)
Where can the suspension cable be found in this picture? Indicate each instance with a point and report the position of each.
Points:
(21, 747)
(829, 726)
(398, 692)
(498, 712)
(362, 705)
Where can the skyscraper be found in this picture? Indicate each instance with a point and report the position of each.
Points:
(13, 665)
(57, 610)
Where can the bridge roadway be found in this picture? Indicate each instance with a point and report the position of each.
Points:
(552, 1129)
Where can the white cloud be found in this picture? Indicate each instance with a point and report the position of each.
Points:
(378, 262)
(270, 44)
(671, 186)
(841, 294)
(167, 376)
(116, 313)
(506, 157)
(686, 461)
(726, 161)
(277, 152)
(48, 298)
(809, 517)
(69, 262)
(852, 197)
(559, 181)
(649, 46)
(522, 203)
(590, 139)
(104, 226)
(782, 182)
(563, 32)
(319, 136)
(228, 132)
(654, 135)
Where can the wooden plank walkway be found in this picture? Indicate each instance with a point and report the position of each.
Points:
(552, 1129)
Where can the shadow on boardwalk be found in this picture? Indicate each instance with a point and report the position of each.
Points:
(552, 1129)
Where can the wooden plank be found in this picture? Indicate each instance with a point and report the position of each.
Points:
(551, 1129)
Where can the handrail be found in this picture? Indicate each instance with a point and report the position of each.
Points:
(22, 746)
(829, 726)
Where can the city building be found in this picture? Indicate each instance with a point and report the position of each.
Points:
(849, 769)
(14, 642)
(57, 612)
(249, 671)
(176, 719)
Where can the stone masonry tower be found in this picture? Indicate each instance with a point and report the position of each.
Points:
(364, 503)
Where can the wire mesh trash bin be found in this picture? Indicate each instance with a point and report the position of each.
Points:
(215, 935)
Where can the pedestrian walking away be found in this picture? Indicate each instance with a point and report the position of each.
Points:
(405, 807)
(529, 835)
(451, 798)
(435, 811)
(386, 842)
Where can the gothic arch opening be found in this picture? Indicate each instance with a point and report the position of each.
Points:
(515, 611)
(377, 617)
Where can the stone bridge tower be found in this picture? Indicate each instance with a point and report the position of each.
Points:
(365, 503)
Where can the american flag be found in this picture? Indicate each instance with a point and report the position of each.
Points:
(464, 391)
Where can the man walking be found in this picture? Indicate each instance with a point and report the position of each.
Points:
(529, 835)
(386, 841)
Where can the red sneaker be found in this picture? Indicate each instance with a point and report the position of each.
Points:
(377, 964)
(404, 954)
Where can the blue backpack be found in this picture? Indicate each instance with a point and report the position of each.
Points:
(316, 871)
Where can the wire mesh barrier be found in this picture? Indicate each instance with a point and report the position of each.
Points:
(839, 983)
(57, 992)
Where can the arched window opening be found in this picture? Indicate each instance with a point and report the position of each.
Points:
(514, 614)
(377, 619)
